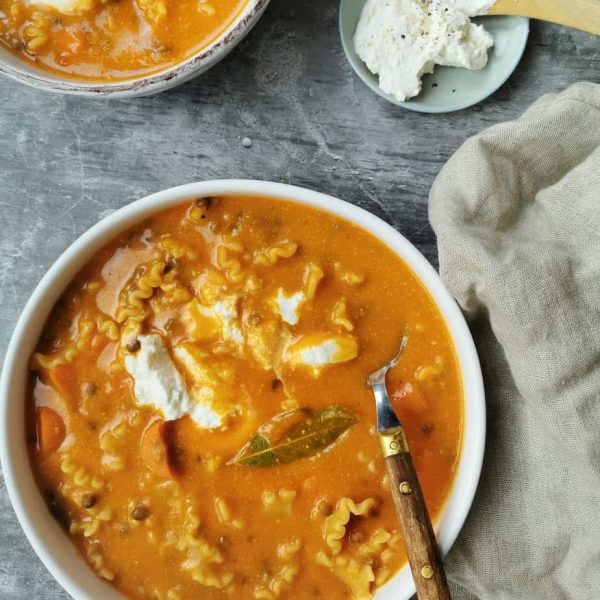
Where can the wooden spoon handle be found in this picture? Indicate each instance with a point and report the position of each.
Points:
(419, 539)
(579, 14)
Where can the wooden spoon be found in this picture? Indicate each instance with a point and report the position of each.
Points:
(579, 14)
(419, 539)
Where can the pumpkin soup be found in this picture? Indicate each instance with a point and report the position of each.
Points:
(199, 418)
(105, 40)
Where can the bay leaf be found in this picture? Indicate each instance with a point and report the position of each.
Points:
(294, 435)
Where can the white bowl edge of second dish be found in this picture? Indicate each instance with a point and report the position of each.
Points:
(50, 543)
(177, 74)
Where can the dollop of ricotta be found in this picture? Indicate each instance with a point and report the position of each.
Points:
(158, 384)
(226, 312)
(318, 350)
(288, 306)
(216, 320)
(401, 40)
(66, 7)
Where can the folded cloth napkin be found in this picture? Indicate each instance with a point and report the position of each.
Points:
(517, 215)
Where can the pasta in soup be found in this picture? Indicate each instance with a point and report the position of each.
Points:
(106, 40)
(198, 415)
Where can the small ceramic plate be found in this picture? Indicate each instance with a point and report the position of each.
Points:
(448, 88)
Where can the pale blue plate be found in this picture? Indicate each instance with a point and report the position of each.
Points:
(447, 88)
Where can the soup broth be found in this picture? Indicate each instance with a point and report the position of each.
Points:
(98, 40)
(199, 418)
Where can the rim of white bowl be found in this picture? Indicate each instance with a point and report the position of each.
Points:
(50, 542)
(196, 64)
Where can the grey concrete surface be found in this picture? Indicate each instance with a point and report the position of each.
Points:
(66, 162)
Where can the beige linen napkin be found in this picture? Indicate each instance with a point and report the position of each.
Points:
(517, 215)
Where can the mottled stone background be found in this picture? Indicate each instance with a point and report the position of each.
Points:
(66, 162)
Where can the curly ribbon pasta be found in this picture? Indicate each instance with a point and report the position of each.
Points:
(133, 306)
(356, 575)
(286, 574)
(335, 525)
(96, 558)
(154, 10)
(111, 442)
(81, 482)
(348, 277)
(232, 266)
(109, 328)
(278, 504)
(85, 332)
(225, 516)
(272, 254)
(80, 476)
(134, 303)
(357, 568)
(203, 561)
(429, 371)
(312, 277)
(339, 315)
(176, 250)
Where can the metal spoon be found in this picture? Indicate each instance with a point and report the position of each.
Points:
(419, 539)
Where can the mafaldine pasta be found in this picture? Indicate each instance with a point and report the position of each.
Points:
(198, 417)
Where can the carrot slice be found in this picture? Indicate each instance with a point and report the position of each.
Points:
(51, 430)
(157, 449)
(64, 380)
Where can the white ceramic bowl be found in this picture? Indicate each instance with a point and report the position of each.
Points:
(48, 539)
(22, 71)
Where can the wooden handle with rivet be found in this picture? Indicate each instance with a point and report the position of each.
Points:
(419, 539)
(579, 14)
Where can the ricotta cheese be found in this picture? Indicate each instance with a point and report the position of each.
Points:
(226, 312)
(267, 341)
(66, 7)
(401, 40)
(217, 320)
(318, 350)
(158, 384)
(288, 307)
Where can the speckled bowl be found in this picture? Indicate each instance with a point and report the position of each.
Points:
(196, 64)
(47, 538)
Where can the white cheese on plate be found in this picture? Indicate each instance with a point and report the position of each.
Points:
(158, 384)
(288, 306)
(66, 7)
(318, 350)
(401, 40)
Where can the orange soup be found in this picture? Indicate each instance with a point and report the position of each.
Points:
(104, 40)
(199, 418)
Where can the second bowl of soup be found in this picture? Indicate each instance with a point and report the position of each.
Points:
(122, 48)
(193, 419)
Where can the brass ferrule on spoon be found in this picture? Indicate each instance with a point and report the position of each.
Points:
(393, 442)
